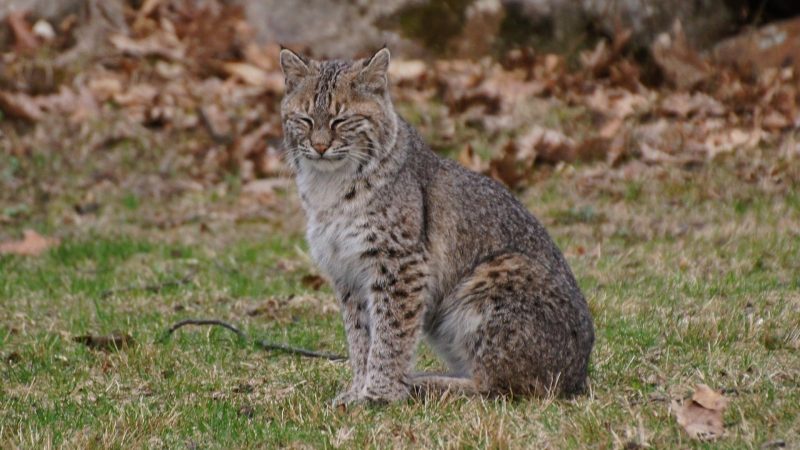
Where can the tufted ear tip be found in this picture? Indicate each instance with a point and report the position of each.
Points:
(292, 62)
(294, 67)
(380, 60)
(376, 68)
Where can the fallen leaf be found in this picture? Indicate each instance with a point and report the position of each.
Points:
(247, 411)
(111, 342)
(313, 281)
(141, 94)
(544, 145)
(684, 105)
(248, 73)
(324, 304)
(79, 104)
(507, 88)
(678, 61)
(774, 45)
(13, 358)
(407, 71)
(24, 37)
(21, 106)
(265, 190)
(709, 398)
(269, 308)
(146, 9)
(599, 60)
(470, 160)
(506, 168)
(217, 122)
(32, 244)
(610, 128)
(701, 416)
(775, 121)
(243, 388)
(265, 57)
(87, 208)
(617, 102)
(162, 44)
(105, 86)
(727, 141)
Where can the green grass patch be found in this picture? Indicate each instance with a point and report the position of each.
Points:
(685, 287)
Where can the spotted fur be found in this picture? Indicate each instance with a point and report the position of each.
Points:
(416, 245)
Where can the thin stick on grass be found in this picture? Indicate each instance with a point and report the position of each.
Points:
(264, 345)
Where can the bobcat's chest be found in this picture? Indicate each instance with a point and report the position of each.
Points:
(335, 229)
(336, 246)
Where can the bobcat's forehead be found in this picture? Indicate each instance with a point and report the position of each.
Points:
(330, 90)
(328, 84)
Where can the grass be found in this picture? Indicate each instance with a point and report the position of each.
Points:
(692, 276)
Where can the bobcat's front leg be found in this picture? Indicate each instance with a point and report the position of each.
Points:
(356, 326)
(396, 308)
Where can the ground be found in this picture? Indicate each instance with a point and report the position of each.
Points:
(692, 275)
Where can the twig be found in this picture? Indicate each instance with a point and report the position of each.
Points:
(183, 323)
(261, 344)
(300, 351)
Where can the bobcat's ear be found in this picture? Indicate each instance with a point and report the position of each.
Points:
(294, 68)
(374, 74)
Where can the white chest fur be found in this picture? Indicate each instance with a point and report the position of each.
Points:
(332, 231)
(336, 248)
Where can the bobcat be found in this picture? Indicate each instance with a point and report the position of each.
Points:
(415, 244)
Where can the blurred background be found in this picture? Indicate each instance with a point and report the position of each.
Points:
(142, 182)
(504, 85)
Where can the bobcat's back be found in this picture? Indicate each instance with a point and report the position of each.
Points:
(415, 245)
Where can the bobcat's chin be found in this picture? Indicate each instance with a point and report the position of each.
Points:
(326, 164)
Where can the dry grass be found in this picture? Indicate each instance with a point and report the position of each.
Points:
(692, 276)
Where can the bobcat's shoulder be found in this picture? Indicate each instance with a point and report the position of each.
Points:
(416, 245)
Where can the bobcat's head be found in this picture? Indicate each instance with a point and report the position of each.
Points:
(337, 114)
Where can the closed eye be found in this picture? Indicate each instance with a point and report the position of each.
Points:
(307, 121)
(337, 121)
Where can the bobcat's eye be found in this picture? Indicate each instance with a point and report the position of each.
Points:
(307, 121)
(337, 121)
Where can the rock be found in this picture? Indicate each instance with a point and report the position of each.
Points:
(479, 27)
(704, 21)
(332, 28)
(47, 9)
(328, 28)
(773, 46)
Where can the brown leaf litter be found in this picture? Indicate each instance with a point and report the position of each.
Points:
(701, 415)
(32, 244)
(112, 342)
(187, 67)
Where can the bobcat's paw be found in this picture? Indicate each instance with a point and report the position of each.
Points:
(347, 398)
(386, 392)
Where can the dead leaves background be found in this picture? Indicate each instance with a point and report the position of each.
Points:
(164, 73)
(31, 244)
(701, 415)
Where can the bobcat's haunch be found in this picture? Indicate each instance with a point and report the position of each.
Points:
(416, 245)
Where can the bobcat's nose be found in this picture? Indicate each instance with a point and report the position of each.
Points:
(320, 147)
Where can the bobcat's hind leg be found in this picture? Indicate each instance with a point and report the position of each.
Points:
(423, 384)
(514, 326)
